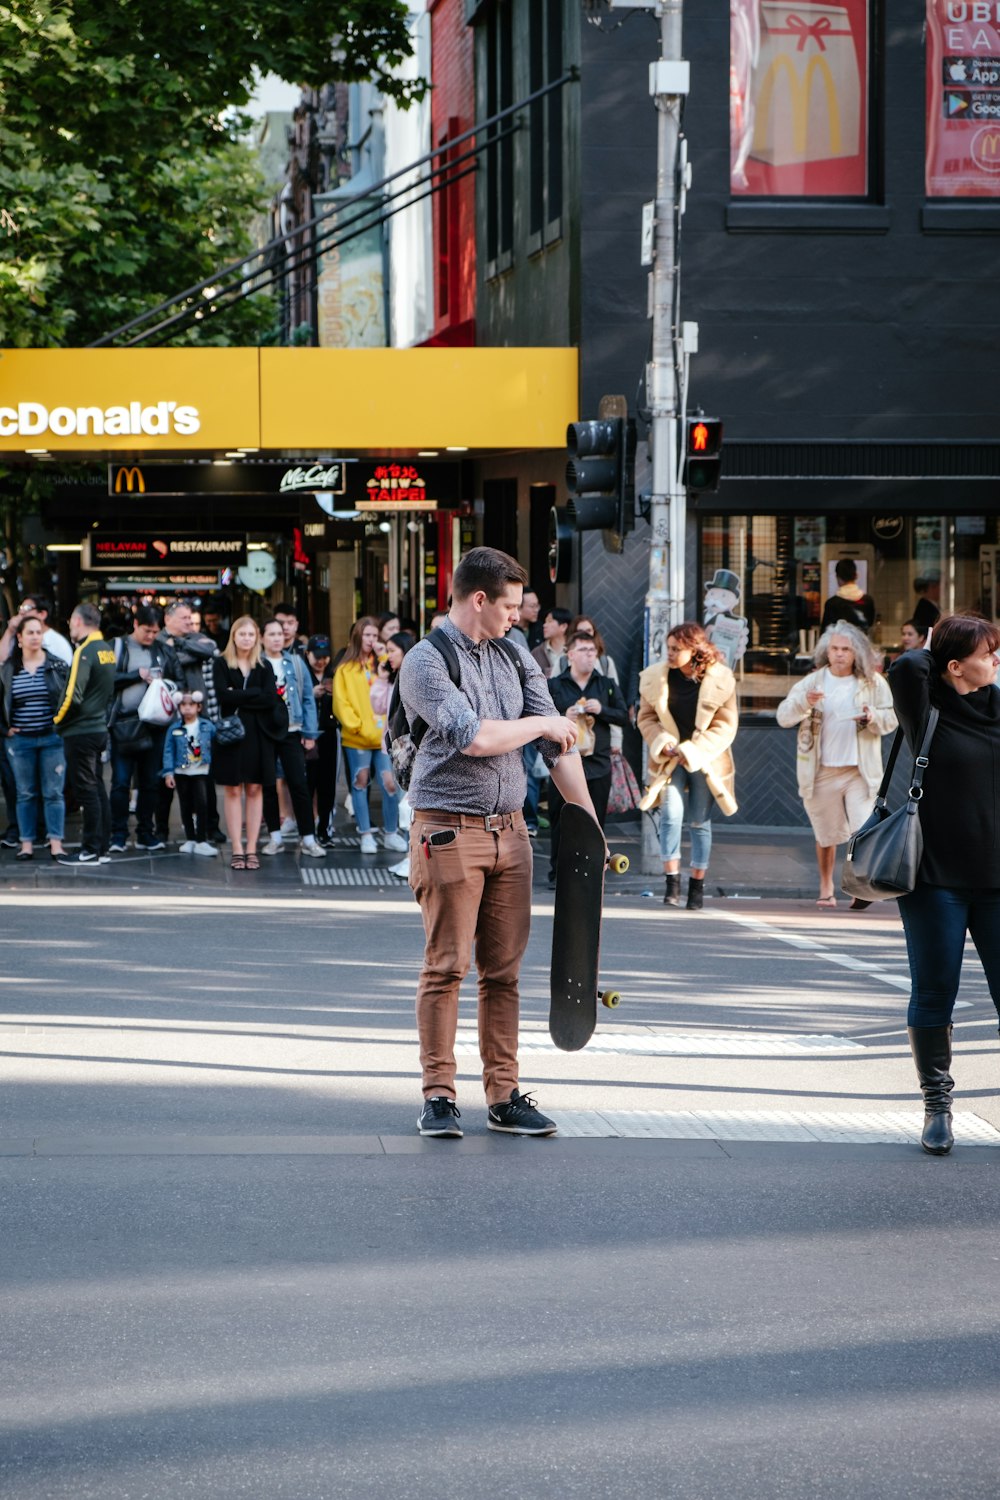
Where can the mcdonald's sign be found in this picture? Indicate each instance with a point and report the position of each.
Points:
(986, 149)
(792, 124)
(129, 478)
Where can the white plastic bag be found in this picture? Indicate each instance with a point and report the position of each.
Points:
(157, 704)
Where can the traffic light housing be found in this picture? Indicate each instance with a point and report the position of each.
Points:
(703, 454)
(600, 477)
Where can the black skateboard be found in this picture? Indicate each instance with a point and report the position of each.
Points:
(576, 929)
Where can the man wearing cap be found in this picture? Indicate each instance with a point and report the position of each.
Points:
(322, 763)
(727, 630)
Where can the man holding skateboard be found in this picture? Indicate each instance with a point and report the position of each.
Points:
(470, 855)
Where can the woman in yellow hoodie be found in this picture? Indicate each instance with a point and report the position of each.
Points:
(362, 730)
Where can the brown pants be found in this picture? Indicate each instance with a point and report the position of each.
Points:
(475, 890)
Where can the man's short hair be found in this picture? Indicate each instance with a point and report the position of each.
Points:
(581, 635)
(39, 603)
(285, 609)
(487, 569)
(146, 614)
(560, 615)
(89, 614)
(846, 570)
(174, 606)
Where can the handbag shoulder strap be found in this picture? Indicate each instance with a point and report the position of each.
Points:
(920, 761)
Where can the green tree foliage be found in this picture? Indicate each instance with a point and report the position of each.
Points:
(124, 171)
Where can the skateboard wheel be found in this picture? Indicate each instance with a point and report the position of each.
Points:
(618, 864)
(610, 998)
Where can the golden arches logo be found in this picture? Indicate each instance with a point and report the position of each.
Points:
(986, 149)
(800, 92)
(131, 478)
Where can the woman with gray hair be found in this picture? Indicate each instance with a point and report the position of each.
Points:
(842, 710)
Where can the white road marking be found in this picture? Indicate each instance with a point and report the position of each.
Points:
(689, 1044)
(892, 1127)
(841, 960)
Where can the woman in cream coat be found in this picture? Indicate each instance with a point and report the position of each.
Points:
(688, 717)
(842, 709)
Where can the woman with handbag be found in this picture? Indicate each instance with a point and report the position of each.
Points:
(32, 684)
(957, 888)
(842, 710)
(243, 754)
(688, 717)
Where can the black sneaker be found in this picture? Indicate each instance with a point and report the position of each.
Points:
(81, 857)
(117, 846)
(519, 1117)
(11, 839)
(439, 1116)
(153, 844)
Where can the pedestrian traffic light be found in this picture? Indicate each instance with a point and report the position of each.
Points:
(599, 476)
(703, 454)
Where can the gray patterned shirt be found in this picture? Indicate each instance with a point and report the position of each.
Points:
(443, 777)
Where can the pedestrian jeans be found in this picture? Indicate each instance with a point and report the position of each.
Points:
(473, 893)
(144, 770)
(293, 769)
(935, 921)
(38, 762)
(86, 777)
(192, 794)
(699, 810)
(377, 763)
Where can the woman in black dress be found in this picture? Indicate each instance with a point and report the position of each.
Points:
(958, 883)
(247, 687)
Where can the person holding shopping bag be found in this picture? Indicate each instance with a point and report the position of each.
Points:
(688, 717)
(842, 710)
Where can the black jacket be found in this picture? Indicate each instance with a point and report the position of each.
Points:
(258, 697)
(960, 809)
(565, 692)
(56, 677)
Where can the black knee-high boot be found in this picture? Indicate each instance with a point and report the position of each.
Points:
(931, 1047)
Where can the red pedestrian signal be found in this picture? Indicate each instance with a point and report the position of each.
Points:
(703, 454)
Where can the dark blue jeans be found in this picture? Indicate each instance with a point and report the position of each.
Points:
(935, 920)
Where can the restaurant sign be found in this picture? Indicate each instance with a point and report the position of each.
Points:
(161, 553)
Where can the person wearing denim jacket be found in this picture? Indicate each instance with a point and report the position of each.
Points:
(295, 687)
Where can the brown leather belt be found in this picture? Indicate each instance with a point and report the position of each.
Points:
(492, 822)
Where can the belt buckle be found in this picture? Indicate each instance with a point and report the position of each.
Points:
(494, 822)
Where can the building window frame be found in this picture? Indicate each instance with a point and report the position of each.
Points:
(546, 23)
(499, 169)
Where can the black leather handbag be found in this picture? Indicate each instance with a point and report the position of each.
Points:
(883, 857)
(229, 731)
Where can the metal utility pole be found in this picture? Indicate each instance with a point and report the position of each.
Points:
(668, 85)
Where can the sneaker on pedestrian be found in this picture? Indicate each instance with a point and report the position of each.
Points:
(152, 845)
(11, 840)
(402, 870)
(81, 857)
(368, 844)
(394, 841)
(274, 845)
(205, 848)
(289, 829)
(519, 1117)
(188, 846)
(439, 1116)
(325, 841)
(312, 848)
(117, 846)
(532, 830)
(104, 859)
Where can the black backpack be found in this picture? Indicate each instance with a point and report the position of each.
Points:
(402, 739)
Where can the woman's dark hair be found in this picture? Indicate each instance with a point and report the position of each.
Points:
(354, 650)
(405, 640)
(147, 614)
(692, 637)
(489, 569)
(384, 618)
(17, 655)
(958, 636)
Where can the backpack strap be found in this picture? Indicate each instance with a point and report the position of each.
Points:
(509, 649)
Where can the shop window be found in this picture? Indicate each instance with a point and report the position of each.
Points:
(499, 172)
(545, 146)
(963, 99)
(799, 98)
(768, 578)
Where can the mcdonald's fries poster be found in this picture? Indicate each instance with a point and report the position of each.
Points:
(963, 99)
(799, 98)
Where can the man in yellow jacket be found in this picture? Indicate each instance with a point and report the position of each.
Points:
(82, 720)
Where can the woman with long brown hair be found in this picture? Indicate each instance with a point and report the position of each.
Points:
(688, 717)
(246, 687)
(362, 729)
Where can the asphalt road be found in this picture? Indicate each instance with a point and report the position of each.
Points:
(229, 1266)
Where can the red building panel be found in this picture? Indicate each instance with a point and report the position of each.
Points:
(453, 109)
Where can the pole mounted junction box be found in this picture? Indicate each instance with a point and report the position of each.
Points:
(669, 76)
